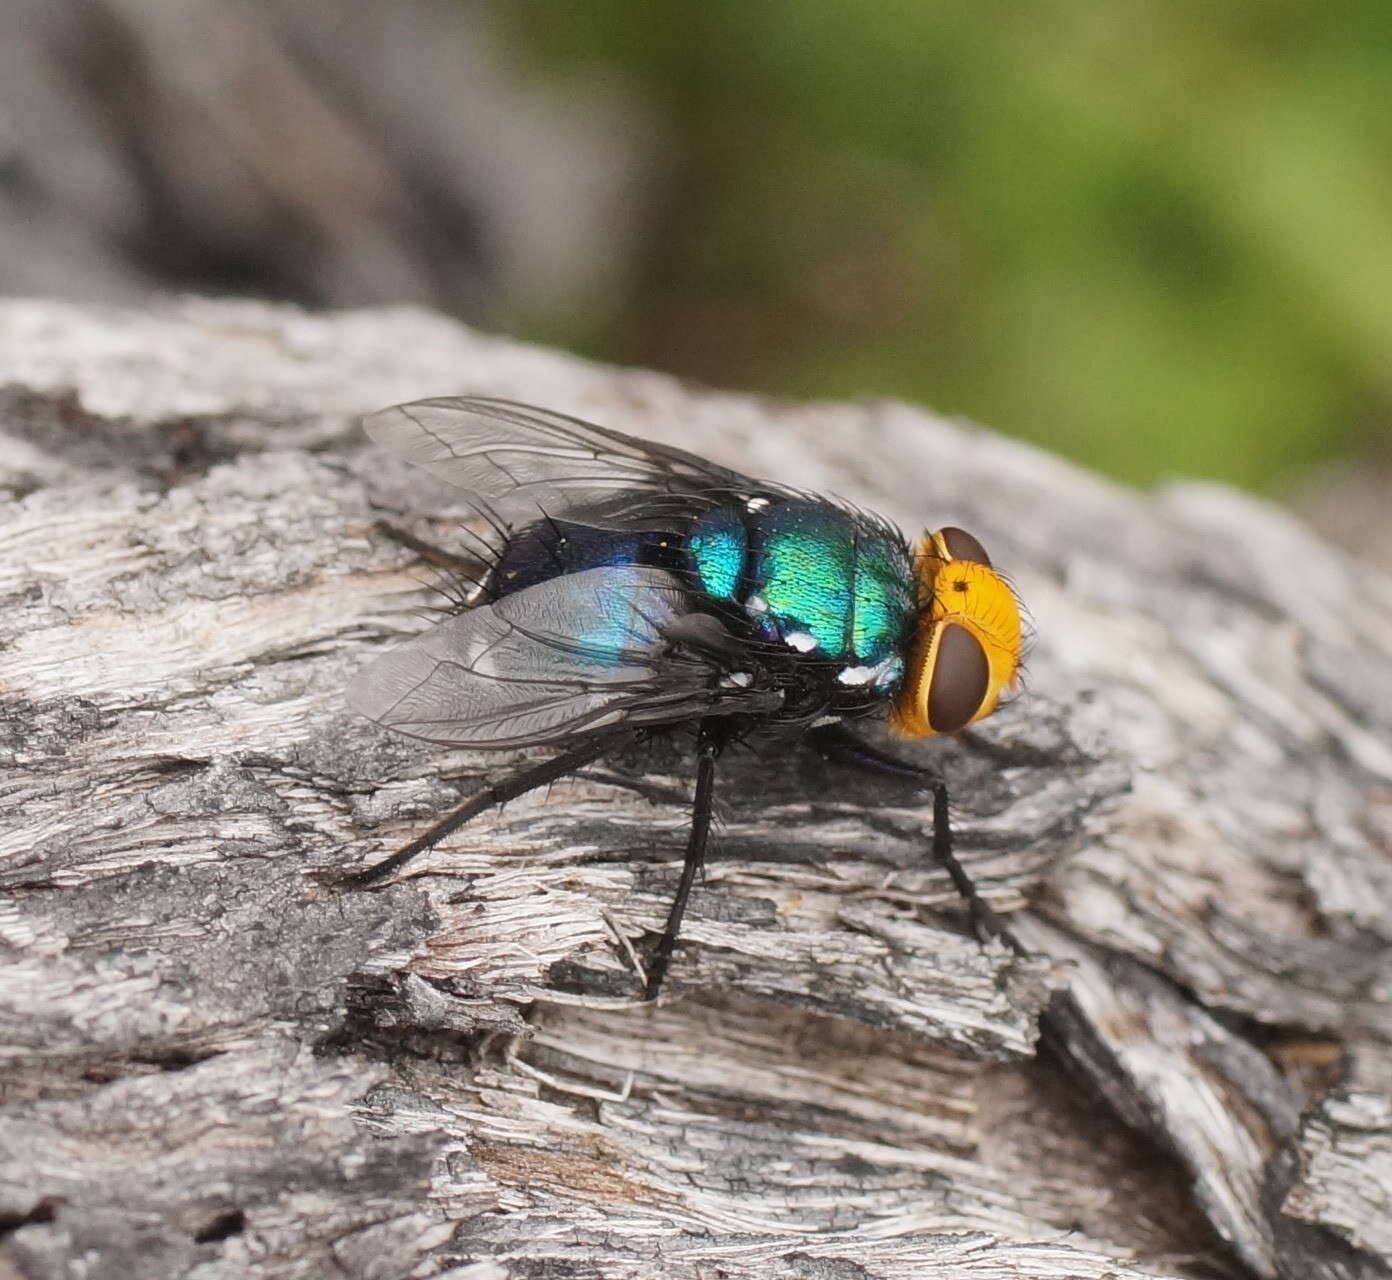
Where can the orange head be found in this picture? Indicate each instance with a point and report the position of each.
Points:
(966, 650)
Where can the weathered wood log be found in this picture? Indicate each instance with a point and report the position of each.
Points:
(216, 1063)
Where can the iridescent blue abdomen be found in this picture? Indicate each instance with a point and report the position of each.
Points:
(717, 550)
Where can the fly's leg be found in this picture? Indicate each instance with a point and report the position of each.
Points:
(836, 744)
(708, 747)
(510, 788)
(427, 551)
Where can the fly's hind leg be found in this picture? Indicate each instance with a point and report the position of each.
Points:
(427, 551)
(836, 744)
(708, 747)
(510, 788)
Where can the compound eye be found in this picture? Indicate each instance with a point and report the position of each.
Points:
(961, 680)
(962, 546)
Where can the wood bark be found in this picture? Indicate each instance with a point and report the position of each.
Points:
(218, 1064)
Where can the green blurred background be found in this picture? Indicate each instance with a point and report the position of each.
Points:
(1153, 235)
(1149, 234)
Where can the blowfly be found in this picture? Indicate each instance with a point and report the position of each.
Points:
(631, 587)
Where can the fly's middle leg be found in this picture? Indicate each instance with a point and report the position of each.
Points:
(708, 747)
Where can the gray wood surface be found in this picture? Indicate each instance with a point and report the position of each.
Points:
(213, 1063)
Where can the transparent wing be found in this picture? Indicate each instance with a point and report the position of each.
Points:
(586, 651)
(517, 462)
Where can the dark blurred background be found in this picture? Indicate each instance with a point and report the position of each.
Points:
(1153, 235)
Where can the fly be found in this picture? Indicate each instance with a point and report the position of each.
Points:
(632, 587)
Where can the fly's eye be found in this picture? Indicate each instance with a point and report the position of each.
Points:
(961, 679)
(962, 546)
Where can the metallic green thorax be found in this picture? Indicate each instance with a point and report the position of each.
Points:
(884, 606)
(808, 574)
(805, 569)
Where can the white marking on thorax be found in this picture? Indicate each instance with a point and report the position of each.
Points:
(866, 675)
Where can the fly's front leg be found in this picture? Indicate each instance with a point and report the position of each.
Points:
(836, 744)
(708, 747)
